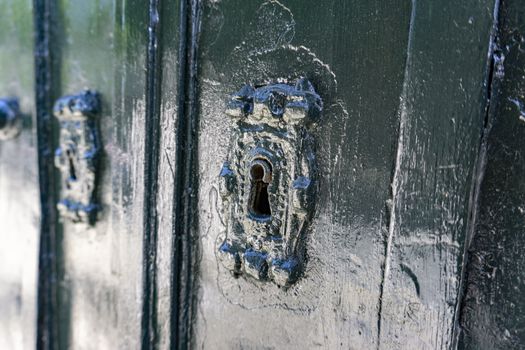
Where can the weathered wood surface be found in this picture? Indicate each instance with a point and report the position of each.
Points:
(494, 306)
(400, 150)
(355, 54)
(19, 197)
(442, 115)
(384, 272)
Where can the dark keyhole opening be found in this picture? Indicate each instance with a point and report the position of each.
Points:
(72, 171)
(259, 204)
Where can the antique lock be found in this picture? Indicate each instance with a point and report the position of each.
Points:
(78, 154)
(10, 119)
(268, 185)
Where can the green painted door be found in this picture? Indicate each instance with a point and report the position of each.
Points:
(232, 215)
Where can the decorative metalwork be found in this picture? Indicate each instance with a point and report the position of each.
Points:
(10, 119)
(78, 154)
(268, 185)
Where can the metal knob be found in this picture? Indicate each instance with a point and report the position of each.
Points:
(10, 120)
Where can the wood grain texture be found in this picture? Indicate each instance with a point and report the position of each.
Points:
(441, 121)
(19, 196)
(494, 308)
(103, 47)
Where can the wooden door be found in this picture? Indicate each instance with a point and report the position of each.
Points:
(298, 174)
(404, 91)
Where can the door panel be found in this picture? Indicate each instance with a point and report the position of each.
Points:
(442, 119)
(19, 197)
(103, 46)
(397, 149)
(354, 53)
(494, 303)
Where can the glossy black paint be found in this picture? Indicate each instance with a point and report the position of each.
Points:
(330, 44)
(493, 312)
(185, 216)
(403, 89)
(151, 163)
(401, 156)
(442, 116)
(45, 91)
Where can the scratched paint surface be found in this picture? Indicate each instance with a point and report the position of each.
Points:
(355, 56)
(103, 47)
(494, 308)
(19, 197)
(397, 149)
(442, 117)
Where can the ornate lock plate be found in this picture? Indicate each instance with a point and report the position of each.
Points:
(77, 155)
(268, 185)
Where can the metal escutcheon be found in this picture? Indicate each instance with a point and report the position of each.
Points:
(268, 184)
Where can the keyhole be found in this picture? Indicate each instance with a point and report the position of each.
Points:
(72, 171)
(261, 176)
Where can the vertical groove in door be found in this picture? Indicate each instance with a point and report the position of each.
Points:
(396, 174)
(47, 324)
(184, 207)
(151, 164)
(457, 198)
(479, 169)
